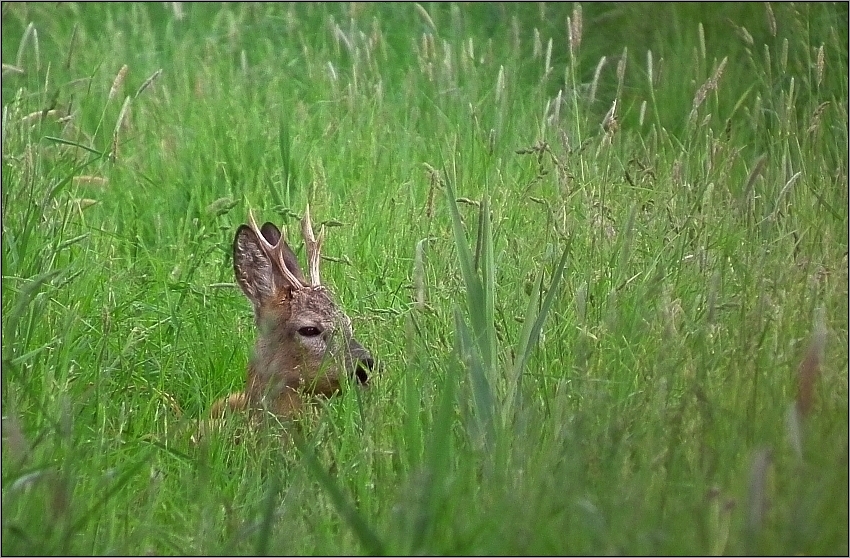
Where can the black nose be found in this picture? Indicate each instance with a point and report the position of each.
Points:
(362, 369)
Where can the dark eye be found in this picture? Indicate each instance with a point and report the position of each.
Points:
(309, 331)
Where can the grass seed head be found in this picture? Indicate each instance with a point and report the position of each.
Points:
(814, 123)
(574, 28)
(649, 66)
(707, 87)
(621, 70)
(113, 154)
(771, 19)
(538, 45)
(118, 82)
(425, 17)
(148, 82)
(595, 83)
(819, 67)
(500, 84)
(97, 181)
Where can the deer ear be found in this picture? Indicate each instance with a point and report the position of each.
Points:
(253, 269)
(270, 232)
(273, 236)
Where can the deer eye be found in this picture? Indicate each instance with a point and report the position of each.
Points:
(309, 331)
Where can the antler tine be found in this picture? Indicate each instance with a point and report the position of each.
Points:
(274, 253)
(314, 246)
(252, 223)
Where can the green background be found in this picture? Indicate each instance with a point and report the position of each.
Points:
(599, 252)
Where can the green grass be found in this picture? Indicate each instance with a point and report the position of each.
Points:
(590, 333)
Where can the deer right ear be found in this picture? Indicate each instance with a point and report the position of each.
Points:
(270, 233)
(273, 236)
(253, 269)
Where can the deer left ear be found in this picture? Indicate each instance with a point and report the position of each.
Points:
(252, 267)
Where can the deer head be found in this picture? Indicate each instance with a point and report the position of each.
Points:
(305, 344)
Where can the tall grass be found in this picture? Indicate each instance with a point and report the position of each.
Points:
(599, 251)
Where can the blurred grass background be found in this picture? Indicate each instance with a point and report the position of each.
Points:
(600, 251)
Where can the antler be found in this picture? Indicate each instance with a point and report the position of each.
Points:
(313, 245)
(274, 253)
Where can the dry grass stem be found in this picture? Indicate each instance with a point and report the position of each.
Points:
(42, 114)
(419, 275)
(9, 69)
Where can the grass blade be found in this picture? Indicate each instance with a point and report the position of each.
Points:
(479, 295)
(367, 536)
(272, 491)
(482, 393)
(285, 146)
(430, 487)
(531, 334)
(488, 272)
(75, 144)
(25, 296)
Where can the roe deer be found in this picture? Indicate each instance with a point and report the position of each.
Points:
(304, 342)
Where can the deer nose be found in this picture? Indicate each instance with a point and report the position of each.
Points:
(363, 362)
(363, 368)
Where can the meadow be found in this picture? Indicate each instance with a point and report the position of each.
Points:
(599, 251)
